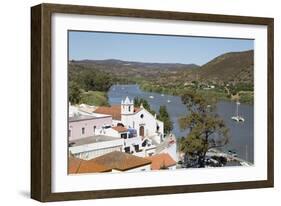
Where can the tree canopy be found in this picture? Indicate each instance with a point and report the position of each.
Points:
(206, 129)
(75, 92)
(165, 118)
(90, 79)
(140, 101)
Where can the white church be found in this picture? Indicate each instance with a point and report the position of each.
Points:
(95, 131)
(144, 123)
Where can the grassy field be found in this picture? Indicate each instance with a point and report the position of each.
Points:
(96, 98)
(246, 97)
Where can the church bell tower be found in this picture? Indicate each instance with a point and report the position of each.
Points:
(127, 106)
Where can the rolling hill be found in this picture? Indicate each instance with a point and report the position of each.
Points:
(230, 67)
(233, 67)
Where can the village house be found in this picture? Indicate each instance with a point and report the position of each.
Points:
(81, 126)
(94, 134)
(97, 131)
(110, 162)
(95, 146)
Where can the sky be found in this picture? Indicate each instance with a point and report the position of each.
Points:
(151, 48)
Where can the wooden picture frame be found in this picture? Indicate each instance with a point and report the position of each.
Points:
(41, 96)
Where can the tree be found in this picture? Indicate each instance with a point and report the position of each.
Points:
(206, 129)
(140, 101)
(75, 92)
(165, 118)
(90, 78)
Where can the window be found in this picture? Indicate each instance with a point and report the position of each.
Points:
(141, 116)
(137, 148)
(83, 130)
(94, 129)
(124, 136)
(129, 108)
(127, 149)
(144, 143)
(69, 133)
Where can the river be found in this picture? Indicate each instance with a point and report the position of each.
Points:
(241, 134)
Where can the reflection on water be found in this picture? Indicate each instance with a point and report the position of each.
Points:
(242, 134)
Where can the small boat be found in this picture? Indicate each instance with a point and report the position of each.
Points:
(168, 101)
(151, 97)
(237, 118)
(162, 95)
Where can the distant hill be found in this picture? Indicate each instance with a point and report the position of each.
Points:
(234, 67)
(133, 64)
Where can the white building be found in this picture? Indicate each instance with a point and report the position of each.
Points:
(95, 131)
(95, 146)
(145, 124)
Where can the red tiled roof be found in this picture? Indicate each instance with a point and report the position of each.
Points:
(114, 111)
(121, 161)
(120, 129)
(76, 166)
(114, 160)
(160, 161)
(73, 165)
(91, 166)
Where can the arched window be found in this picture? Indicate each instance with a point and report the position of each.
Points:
(129, 108)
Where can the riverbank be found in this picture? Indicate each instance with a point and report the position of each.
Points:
(219, 93)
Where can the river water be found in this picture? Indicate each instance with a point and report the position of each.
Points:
(241, 134)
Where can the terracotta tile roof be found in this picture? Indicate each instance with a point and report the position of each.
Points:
(114, 111)
(73, 165)
(91, 166)
(120, 129)
(161, 160)
(121, 161)
(76, 166)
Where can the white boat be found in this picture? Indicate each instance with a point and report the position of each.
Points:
(168, 101)
(162, 95)
(151, 97)
(238, 118)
